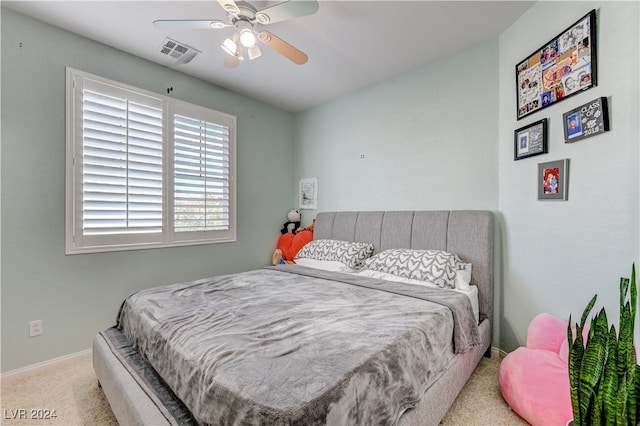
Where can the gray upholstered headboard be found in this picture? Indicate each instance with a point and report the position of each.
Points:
(468, 233)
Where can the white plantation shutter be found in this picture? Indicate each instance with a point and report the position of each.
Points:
(201, 175)
(145, 171)
(121, 165)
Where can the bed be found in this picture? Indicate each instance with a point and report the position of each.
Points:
(299, 345)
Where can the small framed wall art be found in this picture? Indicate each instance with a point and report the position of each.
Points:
(530, 140)
(562, 67)
(585, 121)
(553, 179)
(308, 191)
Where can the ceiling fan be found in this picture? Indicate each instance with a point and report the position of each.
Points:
(245, 18)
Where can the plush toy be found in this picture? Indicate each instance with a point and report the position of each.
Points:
(293, 223)
(290, 244)
(310, 227)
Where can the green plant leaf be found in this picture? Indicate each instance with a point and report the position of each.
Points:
(576, 355)
(622, 400)
(589, 414)
(634, 371)
(627, 363)
(632, 395)
(637, 420)
(576, 351)
(587, 310)
(634, 296)
(609, 385)
(592, 366)
(624, 289)
(625, 340)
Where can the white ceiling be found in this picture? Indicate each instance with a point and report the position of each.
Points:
(350, 44)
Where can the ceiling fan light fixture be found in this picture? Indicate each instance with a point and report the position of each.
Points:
(254, 52)
(229, 46)
(247, 38)
(244, 31)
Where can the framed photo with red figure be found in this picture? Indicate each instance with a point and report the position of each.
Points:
(562, 67)
(553, 180)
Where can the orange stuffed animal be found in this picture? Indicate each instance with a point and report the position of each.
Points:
(289, 244)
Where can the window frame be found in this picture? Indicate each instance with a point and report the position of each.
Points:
(75, 241)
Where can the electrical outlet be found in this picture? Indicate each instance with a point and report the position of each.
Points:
(35, 328)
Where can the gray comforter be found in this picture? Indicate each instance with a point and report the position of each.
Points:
(291, 345)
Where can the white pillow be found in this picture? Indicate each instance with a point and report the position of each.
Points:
(327, 265)
(435, 266)
(391, 277)
(350, 253)
(463, 276)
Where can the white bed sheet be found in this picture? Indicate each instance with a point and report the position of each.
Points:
(471, 291)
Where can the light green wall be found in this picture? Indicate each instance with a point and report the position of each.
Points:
(558, 254)
(76, 296)
(429, 140)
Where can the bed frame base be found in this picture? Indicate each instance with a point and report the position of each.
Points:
(129, 403)
(134, 405)
(439, 397)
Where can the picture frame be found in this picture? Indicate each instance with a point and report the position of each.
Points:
(553, 179)
(564, 66)
(530, 140)
(587, 120)
(308, 193)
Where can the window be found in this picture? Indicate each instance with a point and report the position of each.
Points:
(144, 170)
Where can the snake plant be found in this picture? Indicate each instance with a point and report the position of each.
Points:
(603, 372)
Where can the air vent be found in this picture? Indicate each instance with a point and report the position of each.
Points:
(177, 52)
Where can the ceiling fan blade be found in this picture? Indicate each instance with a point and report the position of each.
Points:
(229, 6)
(282, 47)
(231, 61)
(287, 10)
(190, 24)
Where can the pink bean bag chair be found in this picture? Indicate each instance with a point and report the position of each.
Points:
(534, 380)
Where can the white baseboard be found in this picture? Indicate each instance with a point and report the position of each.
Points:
(498, 352)
(35, 368)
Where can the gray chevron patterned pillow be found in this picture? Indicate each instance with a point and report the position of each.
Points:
(350, 253)
(435, 266)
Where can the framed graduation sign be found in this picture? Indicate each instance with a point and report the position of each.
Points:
(585, 121)
(562, 67)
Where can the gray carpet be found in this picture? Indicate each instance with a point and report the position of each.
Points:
(71, 390)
